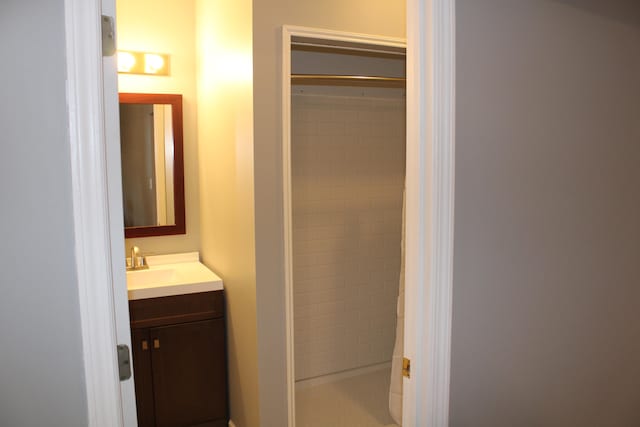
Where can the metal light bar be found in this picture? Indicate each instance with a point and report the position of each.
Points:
(153, 64)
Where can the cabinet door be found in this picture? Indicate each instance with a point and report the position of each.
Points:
(141, 349)
(189, 373)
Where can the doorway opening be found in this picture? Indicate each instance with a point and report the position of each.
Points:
(344, 172)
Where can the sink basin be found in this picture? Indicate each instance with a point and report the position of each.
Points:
(169, 275)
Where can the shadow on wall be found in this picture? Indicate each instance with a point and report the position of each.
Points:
(624, 11)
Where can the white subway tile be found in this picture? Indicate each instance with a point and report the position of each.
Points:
(348, 173)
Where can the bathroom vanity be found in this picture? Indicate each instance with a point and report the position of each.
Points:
(178, 343)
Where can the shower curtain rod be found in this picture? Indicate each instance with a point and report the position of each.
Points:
(347, 79)
(333, 47)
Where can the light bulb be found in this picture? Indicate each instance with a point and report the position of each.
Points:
(126, 62)
(153, 63)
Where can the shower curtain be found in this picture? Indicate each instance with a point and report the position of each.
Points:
(395, 388)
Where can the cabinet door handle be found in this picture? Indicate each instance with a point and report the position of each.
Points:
(145, 345)
(156, 343)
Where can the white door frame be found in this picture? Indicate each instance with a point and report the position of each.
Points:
(98, 228)
(430, 179)
(429, 209)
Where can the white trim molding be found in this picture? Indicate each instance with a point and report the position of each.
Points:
(90, 211)
(288, 33)
(430, 208)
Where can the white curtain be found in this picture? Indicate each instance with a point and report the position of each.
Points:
(395, 389)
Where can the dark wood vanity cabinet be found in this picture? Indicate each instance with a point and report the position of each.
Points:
(179, 360)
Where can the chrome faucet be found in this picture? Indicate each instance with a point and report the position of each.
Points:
(137, 260)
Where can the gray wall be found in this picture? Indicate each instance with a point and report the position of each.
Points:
(41, 379)
(546, 303)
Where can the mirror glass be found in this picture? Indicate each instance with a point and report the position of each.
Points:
(152, 164)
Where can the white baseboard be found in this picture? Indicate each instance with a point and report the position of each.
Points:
(324, 379)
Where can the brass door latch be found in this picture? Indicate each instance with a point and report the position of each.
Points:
(406, 367)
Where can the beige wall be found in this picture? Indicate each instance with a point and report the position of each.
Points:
(371, 17)
(546, 325)
(225, 138)
(167, 27)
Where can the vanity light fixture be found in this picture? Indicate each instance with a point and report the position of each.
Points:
(155, 64)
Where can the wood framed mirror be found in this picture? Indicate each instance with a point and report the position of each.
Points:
(152, 156)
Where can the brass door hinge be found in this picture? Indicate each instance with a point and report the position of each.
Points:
(406, 367)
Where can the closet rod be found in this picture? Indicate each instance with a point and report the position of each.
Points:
(346, 79)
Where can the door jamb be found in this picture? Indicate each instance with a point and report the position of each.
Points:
(430, 209)
(93, 245)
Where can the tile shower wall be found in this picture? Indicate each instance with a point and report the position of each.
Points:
(348, 157)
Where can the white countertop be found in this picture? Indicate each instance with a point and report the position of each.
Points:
(174, 274)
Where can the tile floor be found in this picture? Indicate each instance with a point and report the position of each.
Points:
(361, 401)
